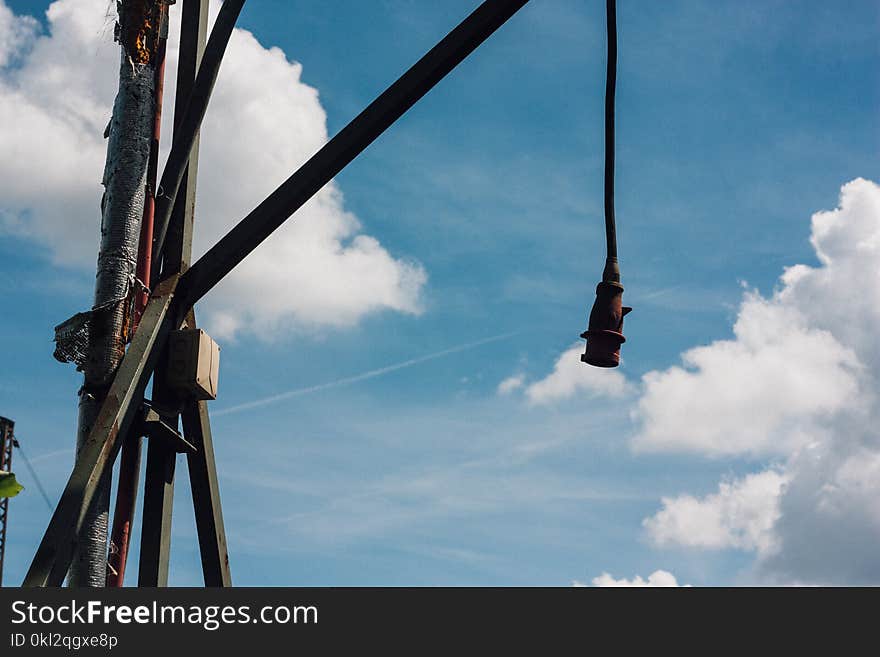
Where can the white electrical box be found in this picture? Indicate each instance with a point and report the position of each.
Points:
(193, 364)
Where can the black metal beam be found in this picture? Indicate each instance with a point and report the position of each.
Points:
(155, 427)
(171, 301)
(6, 441)
(206, 495)
(193, 34)
(344, 147)
(120, 408)
(185, 137)
(155, 552)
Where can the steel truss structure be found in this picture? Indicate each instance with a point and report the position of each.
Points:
(126, 415)
(7, 440)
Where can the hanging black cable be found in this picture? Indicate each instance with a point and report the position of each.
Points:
(604, 335)
(33, 472)
(610, 87)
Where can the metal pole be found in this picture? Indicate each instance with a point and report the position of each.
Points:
(179, 235)
(162, 459)
(344, 147)
(129, 462)
(145, 243)
(124, 398)
(206, 495)
(7, 437)
(189, 125)
(123, 512)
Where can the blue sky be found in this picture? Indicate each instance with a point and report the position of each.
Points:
(736, 122)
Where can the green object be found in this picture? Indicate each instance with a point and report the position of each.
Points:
(9, 487)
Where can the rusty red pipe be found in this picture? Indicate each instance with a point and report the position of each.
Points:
(126, 495)
(145, 256)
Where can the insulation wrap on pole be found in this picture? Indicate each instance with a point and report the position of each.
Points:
(107, 324)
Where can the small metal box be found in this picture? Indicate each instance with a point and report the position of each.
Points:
(193, 364)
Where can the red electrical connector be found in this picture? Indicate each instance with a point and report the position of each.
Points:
(605, 332)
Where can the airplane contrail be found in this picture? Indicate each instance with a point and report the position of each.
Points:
(51, 455)
(360, 377)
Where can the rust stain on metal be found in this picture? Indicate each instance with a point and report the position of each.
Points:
(139, 27)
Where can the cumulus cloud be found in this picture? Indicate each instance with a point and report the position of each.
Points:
(742, 514)
(571, 377)
(57, 90)
(798, 382)
(829, 524)
(511, 383)
(659, 578)
(763, 392)
(15, 33)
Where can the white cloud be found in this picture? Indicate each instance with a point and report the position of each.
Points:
(740, 515)
(510, 384)
(842, 295)
(570, 376)
(263, 122)
(798, 382)
(797, 358)
(829, 524)
(659, 578)
(762, 392)
(16, 32)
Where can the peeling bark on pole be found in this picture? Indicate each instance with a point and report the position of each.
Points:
(128, 150)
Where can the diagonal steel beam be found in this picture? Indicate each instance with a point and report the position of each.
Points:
(206, 495)
(250, 232)
(121, 406)
(186, 134)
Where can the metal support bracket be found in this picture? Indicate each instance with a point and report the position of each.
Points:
(155, 427)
